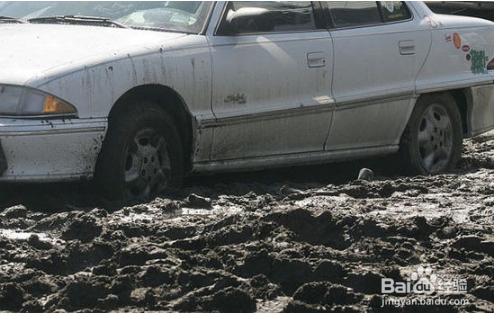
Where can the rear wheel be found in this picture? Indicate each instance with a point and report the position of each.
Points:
(141, 156)
(432, 141)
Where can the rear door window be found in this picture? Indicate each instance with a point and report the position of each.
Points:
(354, 13)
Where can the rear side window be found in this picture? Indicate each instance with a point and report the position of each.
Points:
(285, 16)
(394, 11)
(354, 13)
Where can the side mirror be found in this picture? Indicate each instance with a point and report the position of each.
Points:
(248, 20)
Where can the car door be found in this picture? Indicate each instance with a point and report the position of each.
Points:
(378, 49)
(272, 80)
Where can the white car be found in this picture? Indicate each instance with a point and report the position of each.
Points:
(139, 94)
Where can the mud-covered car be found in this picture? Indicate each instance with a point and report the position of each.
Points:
(138, 94)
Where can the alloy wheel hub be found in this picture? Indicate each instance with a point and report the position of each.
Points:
(147, 166)
(435, 138)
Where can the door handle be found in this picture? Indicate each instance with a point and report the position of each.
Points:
(406, 47)
(316, 60)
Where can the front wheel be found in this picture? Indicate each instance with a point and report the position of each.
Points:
(141, 155)
(432, 141)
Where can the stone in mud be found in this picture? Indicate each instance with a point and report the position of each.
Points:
(366, 174)
(11, 297)
(18, 211)
(233, 300)
(84, 228)
(196, 201)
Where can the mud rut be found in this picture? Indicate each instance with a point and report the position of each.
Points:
(306, 239)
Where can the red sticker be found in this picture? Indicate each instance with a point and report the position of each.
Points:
(465, 48)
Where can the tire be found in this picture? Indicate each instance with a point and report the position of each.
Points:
(432, 141)
(142, 155)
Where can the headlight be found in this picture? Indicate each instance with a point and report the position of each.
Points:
(22, 101)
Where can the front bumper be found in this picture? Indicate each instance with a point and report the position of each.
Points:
(49, 150)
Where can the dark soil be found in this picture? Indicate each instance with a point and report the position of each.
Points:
(310, 239)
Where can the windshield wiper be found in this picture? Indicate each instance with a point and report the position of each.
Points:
(4, 19)
(71, 19)
(159, 29)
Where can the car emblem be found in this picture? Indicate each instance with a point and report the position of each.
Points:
(465, 48)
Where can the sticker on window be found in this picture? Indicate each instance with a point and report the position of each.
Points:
(389, 5)
(394, 11)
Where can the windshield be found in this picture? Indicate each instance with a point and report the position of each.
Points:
(182, 16)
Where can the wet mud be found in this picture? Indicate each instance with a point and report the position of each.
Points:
(311, 239)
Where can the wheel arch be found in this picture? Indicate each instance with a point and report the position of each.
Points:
(463, 100)
(171, 102)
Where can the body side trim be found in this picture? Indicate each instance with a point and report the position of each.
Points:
(273, 114)
(267, 115)
(260, 163)
(363, 101)
(450, 85)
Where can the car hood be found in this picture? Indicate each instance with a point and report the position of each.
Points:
(33, 52)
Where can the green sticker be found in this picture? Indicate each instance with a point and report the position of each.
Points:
(478, 61)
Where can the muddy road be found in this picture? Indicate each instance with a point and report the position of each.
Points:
(292, 240)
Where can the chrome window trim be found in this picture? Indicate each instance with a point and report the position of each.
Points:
(383, 23)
